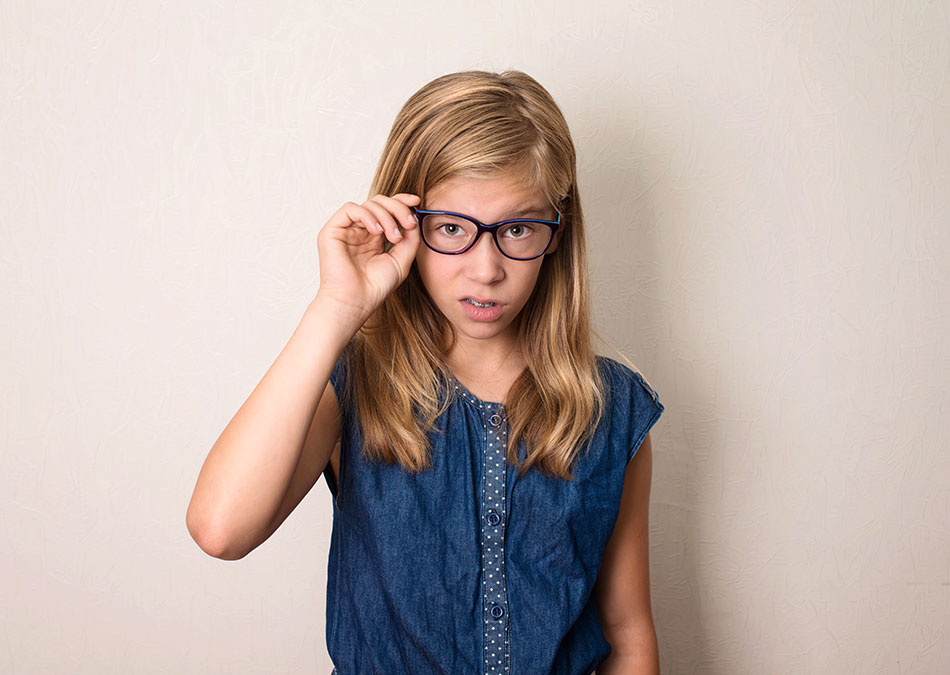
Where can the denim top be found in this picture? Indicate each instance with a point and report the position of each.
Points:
(466, 567)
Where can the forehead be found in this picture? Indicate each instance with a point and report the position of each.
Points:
(485, 198)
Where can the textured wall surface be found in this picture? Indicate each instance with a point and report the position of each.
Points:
(767, 186)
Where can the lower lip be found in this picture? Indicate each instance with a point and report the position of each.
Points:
(482, 313)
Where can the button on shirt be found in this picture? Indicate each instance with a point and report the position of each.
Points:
(467, 567)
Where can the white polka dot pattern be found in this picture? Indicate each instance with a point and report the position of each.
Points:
(493, 511)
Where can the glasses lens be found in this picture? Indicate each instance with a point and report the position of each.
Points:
(518, 239)
(524, 239)
(448, 234)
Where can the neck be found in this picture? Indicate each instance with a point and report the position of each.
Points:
(490, 361)
(484, 361)
(486, 374)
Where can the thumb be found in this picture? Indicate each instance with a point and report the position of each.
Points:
(405, 250)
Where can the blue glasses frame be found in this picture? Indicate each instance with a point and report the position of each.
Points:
(482, 227)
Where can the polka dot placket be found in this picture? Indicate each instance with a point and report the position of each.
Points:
(494, 586)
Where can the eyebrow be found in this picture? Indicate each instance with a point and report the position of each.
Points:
(530, 211)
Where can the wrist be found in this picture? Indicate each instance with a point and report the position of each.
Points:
(344, 318)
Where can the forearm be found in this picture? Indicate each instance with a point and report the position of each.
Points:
(248, 470)
(633, 652)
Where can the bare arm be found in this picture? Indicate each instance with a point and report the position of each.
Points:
(279, 441)
(623, 584)
(242, 493)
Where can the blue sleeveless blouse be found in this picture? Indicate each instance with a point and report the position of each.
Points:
(467, 567)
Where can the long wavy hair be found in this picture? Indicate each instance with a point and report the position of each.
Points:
(482, 124)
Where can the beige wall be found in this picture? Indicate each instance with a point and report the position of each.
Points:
(768, 187)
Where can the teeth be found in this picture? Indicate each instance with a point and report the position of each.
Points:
(478, 304)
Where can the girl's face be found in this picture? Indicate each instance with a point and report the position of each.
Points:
(482, 273)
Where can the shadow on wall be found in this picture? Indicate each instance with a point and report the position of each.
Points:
(624, 202)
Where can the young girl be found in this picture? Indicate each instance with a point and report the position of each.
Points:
(490, 474)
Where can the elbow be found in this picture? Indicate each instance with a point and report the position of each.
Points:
(211, 539)
(633, 637)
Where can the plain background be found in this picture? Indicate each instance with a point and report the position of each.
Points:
(767, 187)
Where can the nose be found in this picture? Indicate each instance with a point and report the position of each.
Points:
(485, 261)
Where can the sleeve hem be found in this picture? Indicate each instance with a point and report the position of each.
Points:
(646, 429)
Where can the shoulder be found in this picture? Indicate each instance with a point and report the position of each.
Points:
(624, 381)
(633, 406)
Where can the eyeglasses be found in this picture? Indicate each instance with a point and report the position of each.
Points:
(454, 233)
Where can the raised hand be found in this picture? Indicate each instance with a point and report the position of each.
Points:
(356, 270)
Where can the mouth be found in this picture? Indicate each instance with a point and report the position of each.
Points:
(479, 302)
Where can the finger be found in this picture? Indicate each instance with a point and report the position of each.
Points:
(390, 225)
(408, 198)
(405, 251)
(400, 208)
(353, 214)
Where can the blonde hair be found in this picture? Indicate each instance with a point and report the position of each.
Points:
(481, 124)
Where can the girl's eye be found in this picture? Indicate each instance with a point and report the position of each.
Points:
(519, 231)
(449, 228)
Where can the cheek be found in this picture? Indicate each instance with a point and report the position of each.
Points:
(430, 273)
(531, 282)
(422, 264)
